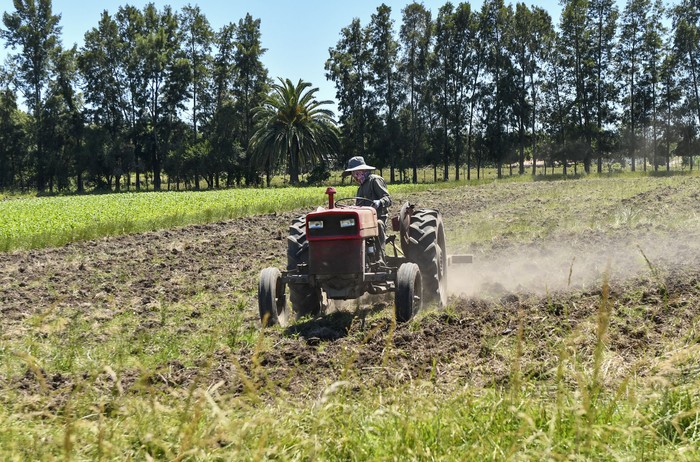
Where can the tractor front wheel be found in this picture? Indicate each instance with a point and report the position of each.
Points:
(409, 292)
(271, 298)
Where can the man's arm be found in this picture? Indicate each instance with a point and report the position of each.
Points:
(380, 191)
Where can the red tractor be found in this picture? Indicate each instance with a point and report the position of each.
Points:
(336, 252)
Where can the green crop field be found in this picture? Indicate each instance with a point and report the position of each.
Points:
(27, 223)
(51, 221)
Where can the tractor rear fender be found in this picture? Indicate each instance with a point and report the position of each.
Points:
(402, 223)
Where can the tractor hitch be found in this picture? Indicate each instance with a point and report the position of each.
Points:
(459, 259)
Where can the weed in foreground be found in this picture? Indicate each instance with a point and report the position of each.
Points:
(656, 274)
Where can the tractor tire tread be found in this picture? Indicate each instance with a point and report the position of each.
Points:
(425, 233)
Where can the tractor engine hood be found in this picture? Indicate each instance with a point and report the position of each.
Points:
(341, 223)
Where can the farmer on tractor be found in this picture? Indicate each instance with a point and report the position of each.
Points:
(332, 255)
(372, 190)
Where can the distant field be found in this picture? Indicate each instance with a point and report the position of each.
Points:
(36, 222)
(52, 221)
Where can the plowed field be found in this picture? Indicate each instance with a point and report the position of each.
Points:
(176, 309)
(554, 281)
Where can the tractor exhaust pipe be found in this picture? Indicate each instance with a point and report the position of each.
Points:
(331, 200)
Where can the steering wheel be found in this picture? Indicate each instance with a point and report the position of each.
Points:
(341, 202)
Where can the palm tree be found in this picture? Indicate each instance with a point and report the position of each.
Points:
(293, 127)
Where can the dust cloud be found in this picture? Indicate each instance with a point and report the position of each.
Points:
(556, 266)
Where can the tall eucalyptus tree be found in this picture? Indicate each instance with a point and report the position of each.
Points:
(14, 162)
(654, 52)
(249, 86)
(445, 80)
(102, 66)
(456, 69)
(64, 124)
(224, 70)
(523, 64)
(633, 25)
(471, 64)
(130, 26)
(540, 42)
(35, 30)
(686, 23)
(415, 37)
(578, 78)
(348, 66)
(225, 123)
(498, 92)
(671, 96)
(556, 104)
(602, 17)
(385, 83)
(198, 38)
(166, 76)
(531, 31)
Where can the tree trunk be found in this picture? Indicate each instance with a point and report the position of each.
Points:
(293, 168)
(446, 163)
(458, 155)
(79, 183)
(693, 73)
(155, 158)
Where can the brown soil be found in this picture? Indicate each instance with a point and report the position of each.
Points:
(474, 342)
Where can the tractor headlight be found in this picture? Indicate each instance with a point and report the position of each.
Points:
(347, 223)
(316, 224)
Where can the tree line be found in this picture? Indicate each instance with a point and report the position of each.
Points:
(156, 95)
(503, 86)
(151, 94)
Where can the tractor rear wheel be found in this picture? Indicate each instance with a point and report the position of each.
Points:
(426, 248)
(305, 299)
(409, 292)
(271, 300)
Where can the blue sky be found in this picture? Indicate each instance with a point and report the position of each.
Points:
(297, 34)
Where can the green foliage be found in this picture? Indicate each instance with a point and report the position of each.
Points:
(457, 86)
(319, 174)
(675, 415)
(27, 223)
(293, 127)
(33, 30)
(30, 222)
